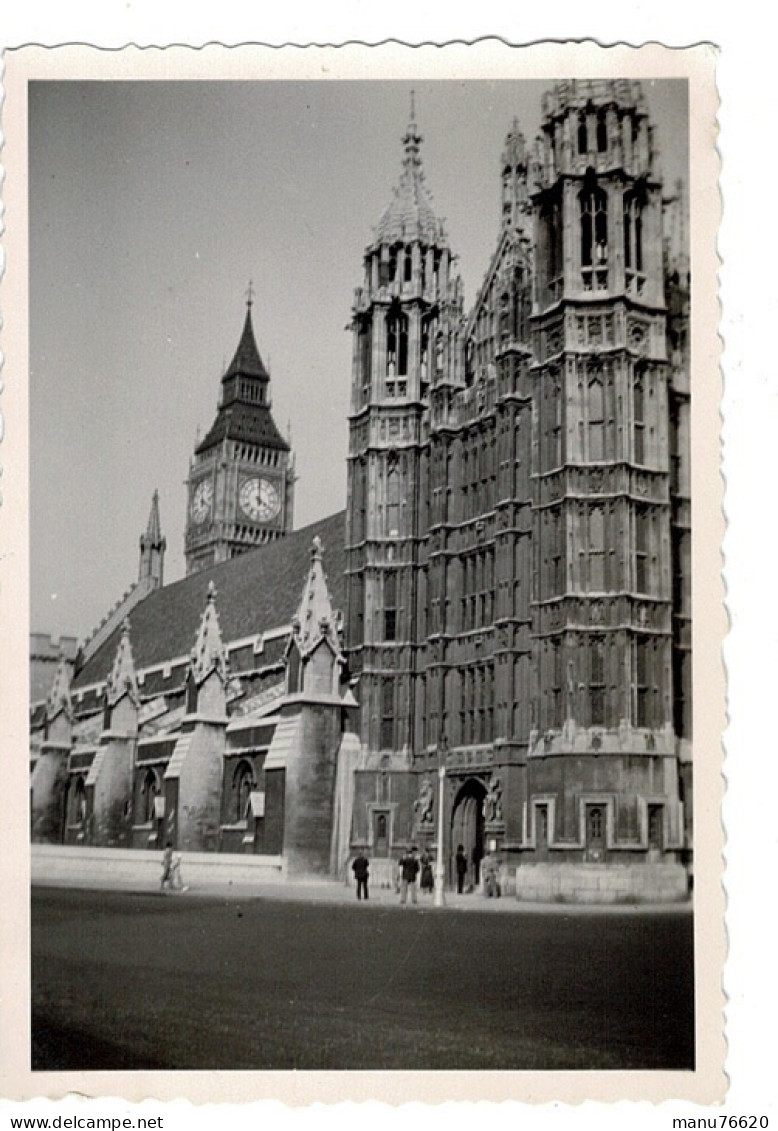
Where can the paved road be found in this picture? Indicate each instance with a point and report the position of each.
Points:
(126, 980)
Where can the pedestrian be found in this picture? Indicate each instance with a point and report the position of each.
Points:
(361, 870)
(167, 866)
(461, 866)
(427, 881)
(409, 870)
(176, 882)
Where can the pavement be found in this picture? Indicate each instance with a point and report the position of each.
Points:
(310, 890)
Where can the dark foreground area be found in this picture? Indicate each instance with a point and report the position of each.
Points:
(126, 981)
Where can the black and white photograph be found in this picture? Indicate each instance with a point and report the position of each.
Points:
(362, 573)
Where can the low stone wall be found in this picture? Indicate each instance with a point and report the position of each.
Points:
(119, 867)
(597, 883)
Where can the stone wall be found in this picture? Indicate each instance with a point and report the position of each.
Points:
(593, 883)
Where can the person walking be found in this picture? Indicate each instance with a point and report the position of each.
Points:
(461, 866)
(427, 881)
(361, 870)
(167, 867)
(176, 881)
(409, 870)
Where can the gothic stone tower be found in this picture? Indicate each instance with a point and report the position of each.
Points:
(398, 321)
(241, 479)
(602, 782)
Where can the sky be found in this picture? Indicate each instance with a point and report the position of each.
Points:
(152, 207)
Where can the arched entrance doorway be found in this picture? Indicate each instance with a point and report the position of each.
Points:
(467, 826)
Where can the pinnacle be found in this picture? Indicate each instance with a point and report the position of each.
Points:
(123, 678)
(154, 527)
(316, 620)
(247, 360)
(410, 214)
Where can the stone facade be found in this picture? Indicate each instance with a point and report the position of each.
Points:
(518, 520)
(514, 565)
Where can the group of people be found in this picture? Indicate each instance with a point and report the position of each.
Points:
(409, 868)
(412, 867)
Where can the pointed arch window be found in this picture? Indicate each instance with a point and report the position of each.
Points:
(244, 786)
(596, 578)
(393, 502)
(642, 681)
(365, 339)
(602, 132)
(396, 353)
(594, 238)
(638, 420)
(583, 134)
(642, 542)
(597, 681)
(552, 234)
(390, 606)
(387, 714)
(150, 794)
(633, 242)
(596, 405)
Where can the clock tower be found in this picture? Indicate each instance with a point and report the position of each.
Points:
(241, 478)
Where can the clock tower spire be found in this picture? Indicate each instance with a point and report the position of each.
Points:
(241, 477)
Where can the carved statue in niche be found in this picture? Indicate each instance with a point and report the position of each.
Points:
(493, 799)
(422, 806)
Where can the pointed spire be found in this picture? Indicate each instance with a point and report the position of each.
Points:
(209, 654)
(515, 152)
(123, 680)
(410, 214)
(247, 360)
(59, 696)
(154, 527)
(152, 548)
(316, 620)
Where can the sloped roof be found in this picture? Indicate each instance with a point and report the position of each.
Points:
(236, 418)
(247, 360)
(255, 592)
(250, 423)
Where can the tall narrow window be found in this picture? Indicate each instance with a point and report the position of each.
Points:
(393, 502)
(594, 238)
(244, 784)
(583, 135)
(150, 792)
(390, 606)
(642, 688)
(602, 132)
(597, 681)
(396, 347)
(387, 714)
(553, 421)
(408, 266)
(638, 421)
(641, 550)
(633, 241)
(365, 357)
(596, 403)
(551, 215)
(557, 669)
(596, 550)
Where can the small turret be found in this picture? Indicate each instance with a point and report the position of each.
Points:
(152, 549)
(515, 198)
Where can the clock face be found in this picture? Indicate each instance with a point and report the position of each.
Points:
(201, 500)
(259, 499)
